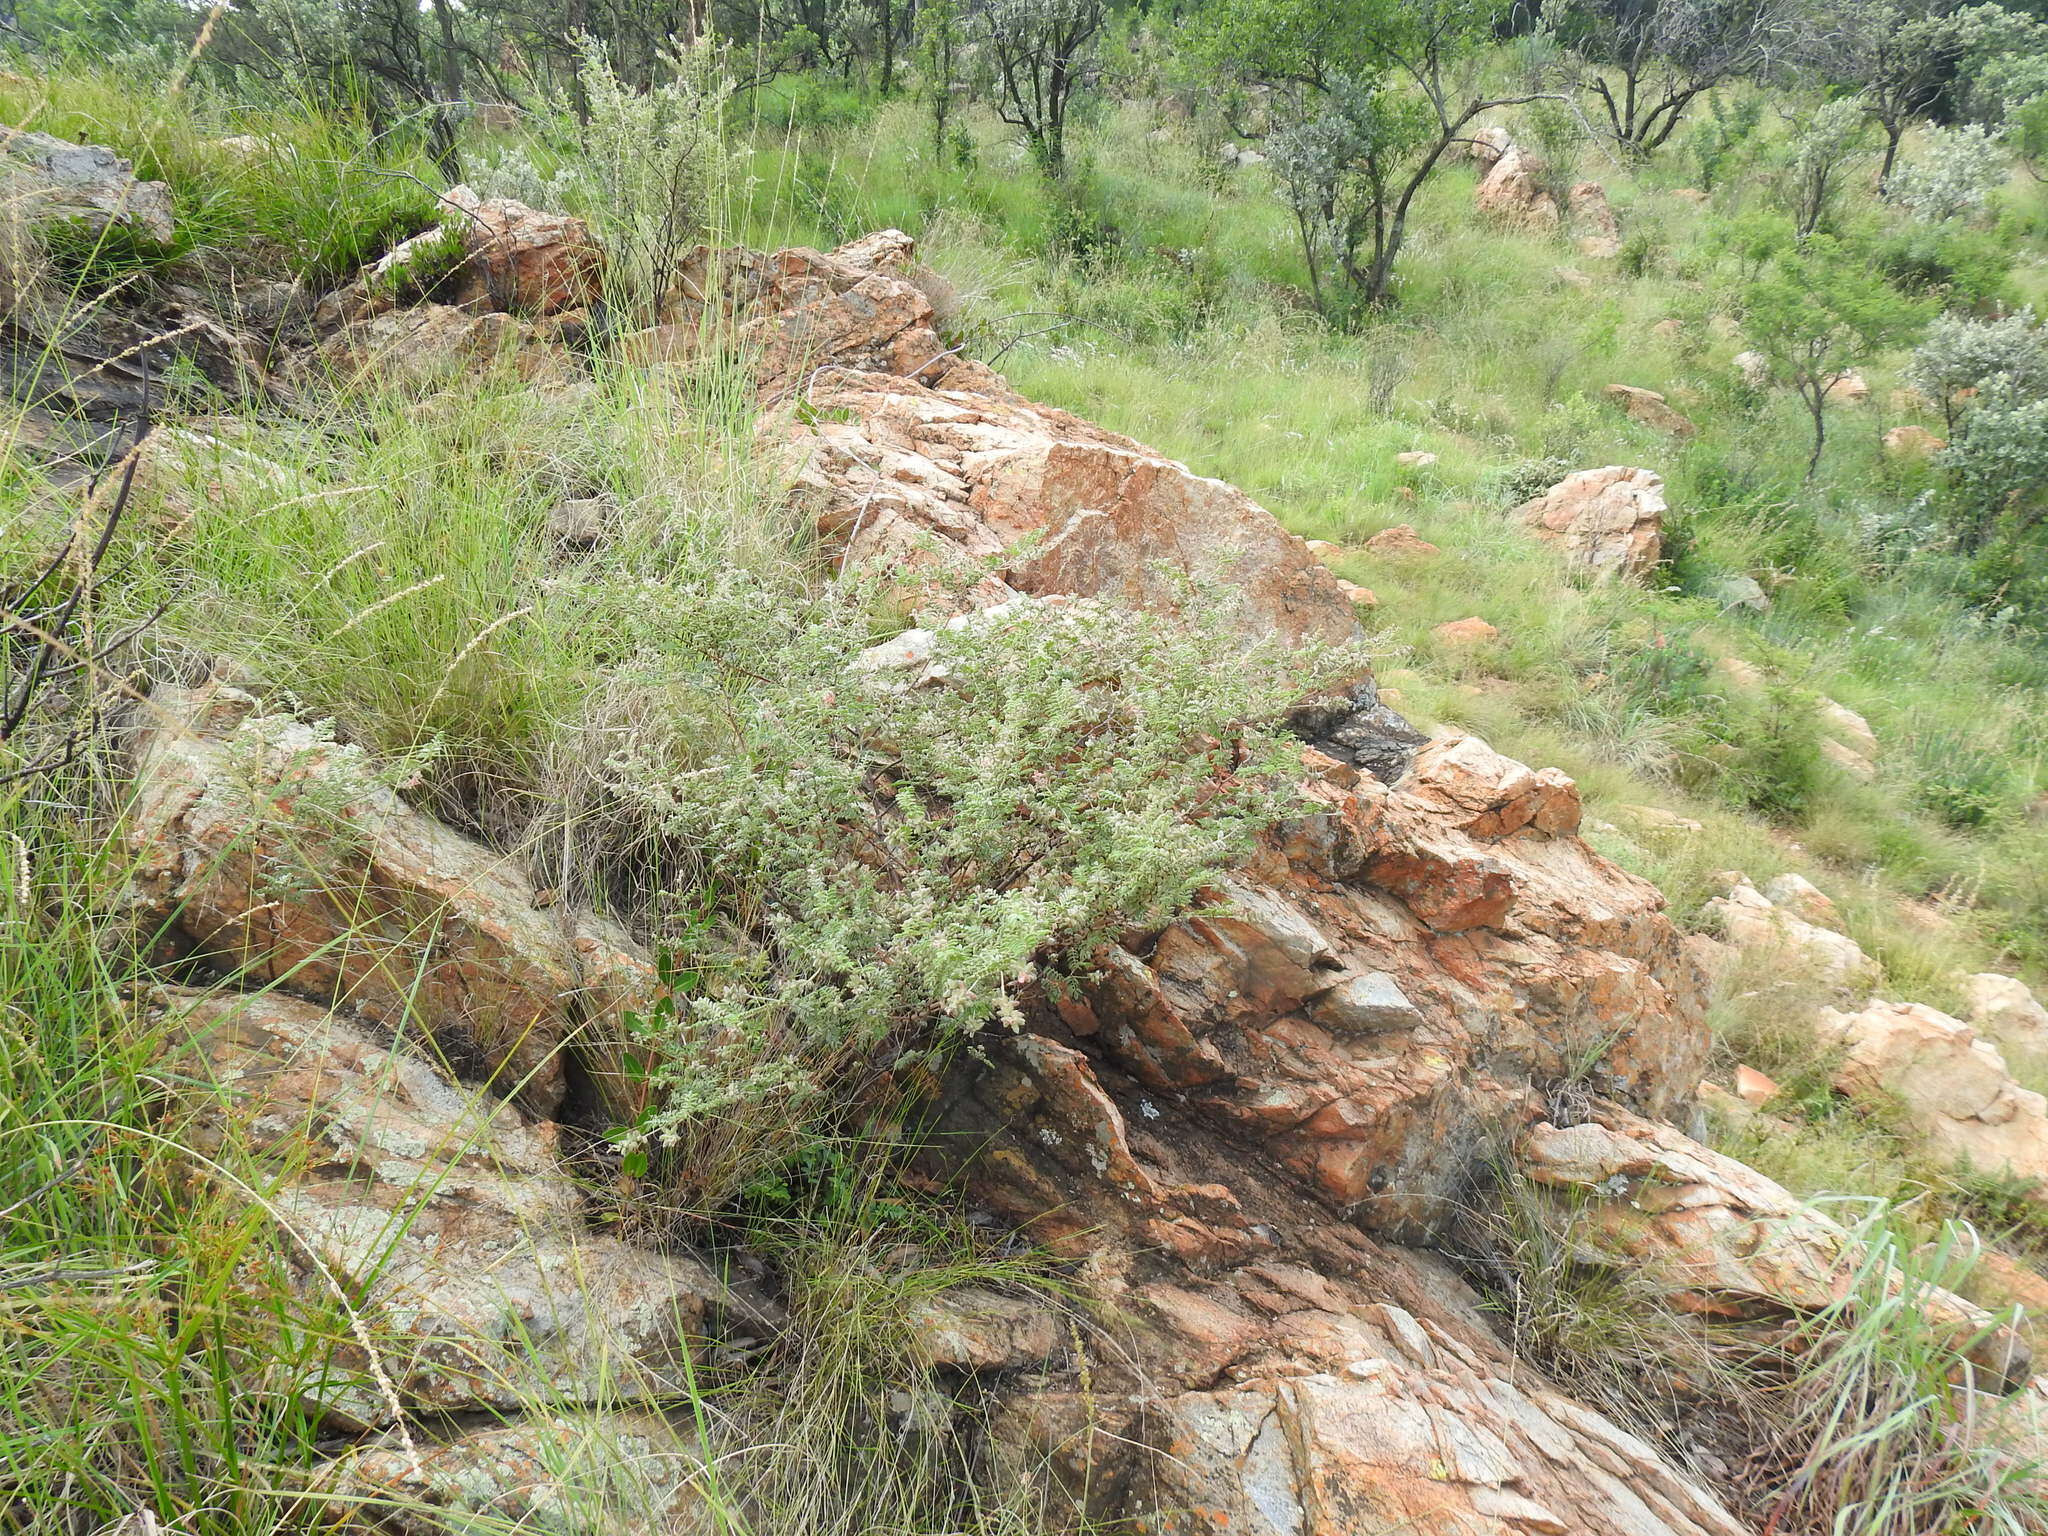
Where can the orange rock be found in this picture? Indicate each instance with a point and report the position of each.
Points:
(1400, 541)
(1753, 1088)
(1462, 632)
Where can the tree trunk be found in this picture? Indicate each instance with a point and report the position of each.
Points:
(888, 49)
(1893, 133)
(1816, 401)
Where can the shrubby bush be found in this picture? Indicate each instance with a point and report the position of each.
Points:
(1961, 353)
(1998, 464)
(1953, 177)
(888, 855)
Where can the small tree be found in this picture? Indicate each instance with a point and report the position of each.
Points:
(938, 48)
(1898, 54)
(1042, 51)
(1824, 153)
(1815, 314)
(1373, 94)
(1336, 170)
(1647, 61)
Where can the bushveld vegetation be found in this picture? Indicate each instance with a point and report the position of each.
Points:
(1244, 234)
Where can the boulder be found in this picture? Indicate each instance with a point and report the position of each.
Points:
(1753, 368)
(1912, 442)
(1464, 632)
(1669, 329)
(1592, 221)
(1513, 192)
(1400, 542)
(2007, 1010)
(1953, 1087)
(1751, 921)
(1848, 387)
(486, 256)
(1794, 893)
(430, 343)
(48, 179)
(925, 481)
(1720, 1238)
(1754, 1088)
(1606, 522)
(1847, 727)
(1416, 459)
(1848, 759)
(491, 1291)
(272, 852)
(796, 312)
(1488, 144)
(1651, 409)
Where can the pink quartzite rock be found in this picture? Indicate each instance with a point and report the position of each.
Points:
(1607, 522)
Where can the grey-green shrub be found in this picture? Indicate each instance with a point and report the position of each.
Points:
(891, 852)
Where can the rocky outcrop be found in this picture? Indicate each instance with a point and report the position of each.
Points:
(609, 1475)
(51, 180)
(1953, 1087)
(276, 855)
(1397, 972)
(432, 343)
(798, 311)
(444, 1223)
(912, 479)
(1606, 522)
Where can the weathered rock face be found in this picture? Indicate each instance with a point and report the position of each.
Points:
(445, 1217)
(1285, 1373)
(924, 479)
(52, 180)
(1953, 1087)
(1721, 1237)
(1398, 977)
(1751, 921)
(616, 1475)
(2007, 1010)
(487, 256)
(1608, 522)
(274, 854)
(430, 342)
(798, 310)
